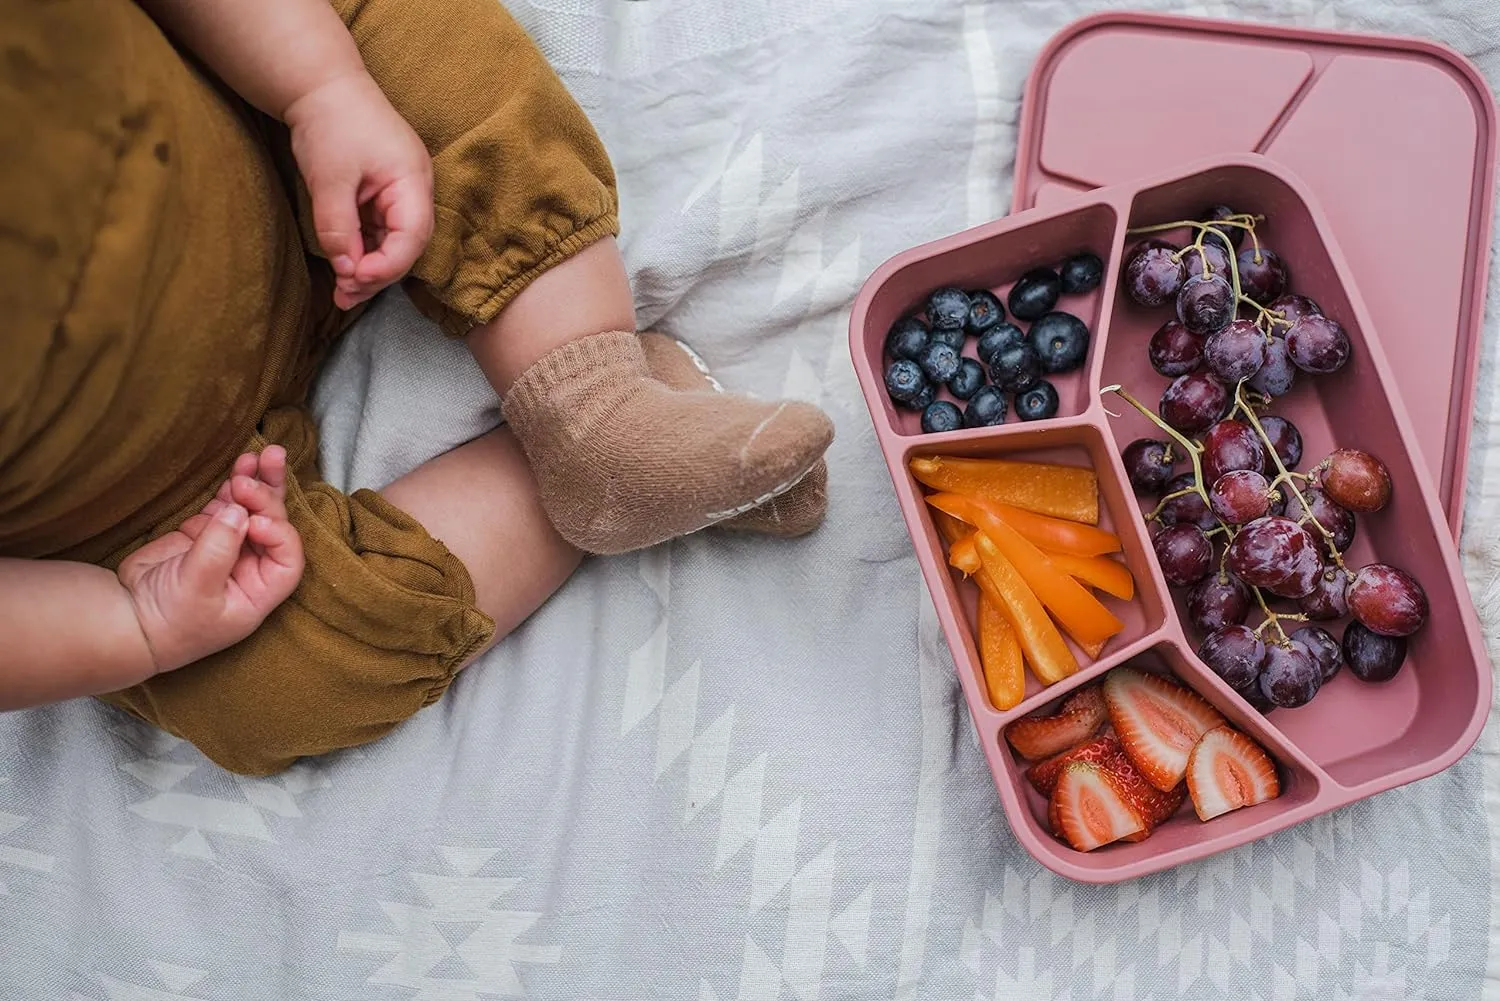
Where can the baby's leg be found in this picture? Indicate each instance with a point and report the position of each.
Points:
(623, 460)
(481, 501)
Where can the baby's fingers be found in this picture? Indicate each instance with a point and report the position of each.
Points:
(207, 565)
(282, 565)
(336, 219)
(273, 468)
(405, 211)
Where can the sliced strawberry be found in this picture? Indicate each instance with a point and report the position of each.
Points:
(1154, 806)
(1091, 808)
(1081, 716)
(1099, 750)
(1053, 823)
(1228, 770)
(1151, 803)
(1158, 723)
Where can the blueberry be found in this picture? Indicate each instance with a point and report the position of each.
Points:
(939, 363)
(1036, 293)
(1082, 273)
(904, 380)
(969, 379)
(907, 339)
(943, 335)
(948, 308)
(1062, 341)
(941, 416)
(924, 398)
(997, 339)
(984, 312)
(1016, 369)
(1037, 403)
(986, 409)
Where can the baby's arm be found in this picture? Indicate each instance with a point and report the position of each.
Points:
(69, 629)
(272, 52)
(368, 173)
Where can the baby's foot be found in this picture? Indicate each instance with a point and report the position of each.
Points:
(623, 461)
(795, 512)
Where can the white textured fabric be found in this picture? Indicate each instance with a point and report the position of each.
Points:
(727, 768)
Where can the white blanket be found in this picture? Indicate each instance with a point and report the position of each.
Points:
(726, 768)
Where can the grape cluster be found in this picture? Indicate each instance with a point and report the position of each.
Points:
(925, 352)
(1242, 528)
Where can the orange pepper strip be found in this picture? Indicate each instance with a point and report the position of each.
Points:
(950, 528)
(1045, 650)
(964, 555)
(1051, 534)
(1081, 615)
(1000, 656)
(1061, 491)
(1107, 575)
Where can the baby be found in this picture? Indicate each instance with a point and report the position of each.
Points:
(185, 228)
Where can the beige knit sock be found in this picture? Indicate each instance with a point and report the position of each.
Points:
(796, 512)
(625, 462)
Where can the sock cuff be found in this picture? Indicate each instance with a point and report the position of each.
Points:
(581, 361)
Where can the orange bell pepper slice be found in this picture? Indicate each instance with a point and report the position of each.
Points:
(1052, 534)
(1109, 576)
(1000, 656)
(950, 528)
(1048, 654)
(1060, 491)
(964, 555)
(1080, 614)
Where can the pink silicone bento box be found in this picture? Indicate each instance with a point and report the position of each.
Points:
(1354, 739)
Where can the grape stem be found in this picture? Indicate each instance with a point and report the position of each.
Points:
(1192, 448)
(1274, 618)
(1156, 513)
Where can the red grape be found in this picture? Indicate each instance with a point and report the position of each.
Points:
(1292, 308)
(1278, 375)
(1270, 550)
(1284, 438)
(1240, 496)
(1356, 480)
(1231, 445)
(1389, 601)
(1148, 463)
(1218, 259)
(1305, 571)
(1234, 653)
(1327, 600)
(1371, 656)
(1153, 272)
(1318, 344)
(1336, 519)
(1184, 552)
(1173, 351)
(1322, 648)
(1193, 402)
(1216, 601)
(1236, 352)
(1263, 274)
(1289, 677)
(1205, 303)
(1189, 509)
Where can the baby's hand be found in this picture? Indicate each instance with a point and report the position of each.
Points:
(212, 582)
(371, 183)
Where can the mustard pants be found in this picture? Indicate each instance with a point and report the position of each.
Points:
(166, 310)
